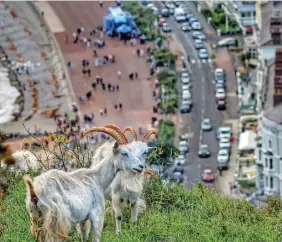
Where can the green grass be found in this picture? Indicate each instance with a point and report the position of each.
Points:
(173, 215)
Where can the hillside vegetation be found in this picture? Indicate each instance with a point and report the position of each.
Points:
(174, 215)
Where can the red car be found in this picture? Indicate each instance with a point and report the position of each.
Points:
(161, 21)
(208, 176)
(249, 30)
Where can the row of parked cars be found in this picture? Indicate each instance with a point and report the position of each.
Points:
(224, 136)
(220, 88)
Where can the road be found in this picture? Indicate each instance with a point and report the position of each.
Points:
(204, 105)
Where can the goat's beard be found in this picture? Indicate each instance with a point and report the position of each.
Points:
(129, 181)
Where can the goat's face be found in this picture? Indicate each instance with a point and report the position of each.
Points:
(141, 150)
(126, 159)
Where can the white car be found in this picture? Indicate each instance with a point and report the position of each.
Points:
(223, 132)
(206, 125)
(219, 72)
(223, 156)
(186, 87)
(220, 94)
(184, 75)
(203, 54)
(183, 147)
(180, 160)
(196, 26)
(224, 143)
(198, 35)
(187, 100)
(185, 80)
(186, 93)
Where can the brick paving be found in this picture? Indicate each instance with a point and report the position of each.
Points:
(136, 96)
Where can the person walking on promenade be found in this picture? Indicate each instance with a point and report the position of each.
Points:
(104, 86)
(113, 59)
(94, 85)
(120, 106)
(97, 79)
(101, 111)
(95, 53)
(89, 72)
(105, 111)
(117, 87)
(116, 106)
(81, 100)
(119, 75)
(136, 75)
(109, 87)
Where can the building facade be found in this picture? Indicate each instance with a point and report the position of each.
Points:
(269, 153)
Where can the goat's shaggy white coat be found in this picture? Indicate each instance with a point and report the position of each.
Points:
(126, 185)
(65, 198)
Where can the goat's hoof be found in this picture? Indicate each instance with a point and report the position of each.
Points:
(118, 232)
(133, 220)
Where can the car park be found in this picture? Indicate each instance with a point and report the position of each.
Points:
(223, 158)
(196, 26)
(166, 28)
(225, 143)
(220, 94)
(185, 108)
(199, 44)
(165, 13)
(203, 54)
(185, 27)
(208, 175)
(204, 151)
(221, 105)
(224, 132)
(206, 125)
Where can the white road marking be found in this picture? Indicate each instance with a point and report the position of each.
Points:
(204, 61)
(213, 81)
(209, 60)
(193, 61)
(199, 166)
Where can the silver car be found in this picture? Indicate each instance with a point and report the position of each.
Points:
(206, 125)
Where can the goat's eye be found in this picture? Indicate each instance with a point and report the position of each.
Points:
(145, 153)
(124, 154)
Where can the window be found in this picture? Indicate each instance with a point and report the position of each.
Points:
(270, 163)
(266, 162)
(271, 182)
(260, 155)
(269, 144)
(266, 181)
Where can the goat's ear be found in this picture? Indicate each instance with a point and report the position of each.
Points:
(3, 148)
(116, 146)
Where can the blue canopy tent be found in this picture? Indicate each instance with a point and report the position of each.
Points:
(124, 29)
(120, 20)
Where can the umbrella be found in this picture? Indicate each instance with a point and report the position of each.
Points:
(124, 29)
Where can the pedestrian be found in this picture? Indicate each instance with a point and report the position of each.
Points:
(140, 130)
(131, 75)
(66, 39)
(113, 88)
(101, 4)
(89, 72)
(97, 79)
(101, 111)
(116, 106)
(154, 93)
(89, 95)
(109, 87)
(94, 85)
(138, 52)
(95, 53)
(136, 75)
(81, 100)
(117, 87)
(104, 86)
(84, 63)
(120, 106)
(83, 71)
(101, 80)
(69, 64)
(119, 75)
(105, 111)
(113, 59)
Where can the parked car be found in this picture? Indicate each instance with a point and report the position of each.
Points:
(203, 54)
(184, 75)
(208, 176)
(188, 16)
(221, 105)
(185, 27)
(223, 158)
(165, 13)
(196, 26)
(166, 28)
(187, 100)
(192, 20)
(220, 85)
(185, 81)
(178, 168)
(198, 35)
(186, 86)
(185, 108)
(186, 93)
(224, 132)
(199, 44)
(183, 147)
(161, 21)
(220, 94)
(180, 160)
(204, 151)
(226, 42)
(177, 177)
(225, 143)
(206, 125)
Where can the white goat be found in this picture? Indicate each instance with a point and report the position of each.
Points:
(126, 187)
(56, 198)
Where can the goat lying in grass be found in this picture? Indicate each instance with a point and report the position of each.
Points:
(56, 198)
(126, 187)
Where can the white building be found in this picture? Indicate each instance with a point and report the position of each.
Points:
(269, 152)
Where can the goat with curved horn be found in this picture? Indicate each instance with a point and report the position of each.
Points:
(132, 131)
(118, 130)
(148, 134)
(120, 139)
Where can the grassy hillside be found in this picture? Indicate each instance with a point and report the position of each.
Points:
(173, 215)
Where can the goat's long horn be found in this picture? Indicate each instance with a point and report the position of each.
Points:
(108, 131)
(118, 130)
(132, 131)
(149, 133)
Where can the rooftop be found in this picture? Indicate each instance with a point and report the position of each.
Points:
(244, 7)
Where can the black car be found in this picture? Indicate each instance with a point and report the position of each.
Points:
(178, 168)
(185, 108)
(221, 105)
(204, 151)
(165, 13)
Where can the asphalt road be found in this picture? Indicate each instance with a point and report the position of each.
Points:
(204, 105)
